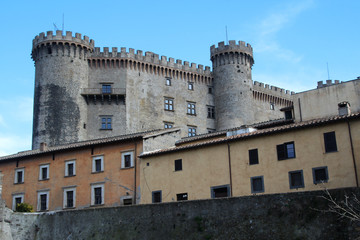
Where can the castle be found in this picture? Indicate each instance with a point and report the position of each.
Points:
(84, 93)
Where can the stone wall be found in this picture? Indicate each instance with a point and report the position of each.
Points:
(278, 216)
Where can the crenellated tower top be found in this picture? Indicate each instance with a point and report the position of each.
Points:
(58, 37)
(241, 47)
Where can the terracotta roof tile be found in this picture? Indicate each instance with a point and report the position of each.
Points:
(282, 128)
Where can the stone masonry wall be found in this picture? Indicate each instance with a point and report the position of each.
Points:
(278, 216)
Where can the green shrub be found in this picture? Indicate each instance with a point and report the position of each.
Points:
(24, 207)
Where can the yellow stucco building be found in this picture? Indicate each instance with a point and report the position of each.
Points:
(302, 156)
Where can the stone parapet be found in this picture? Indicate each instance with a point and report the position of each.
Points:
(151, 58)
(231, 47)
(273, 90)
(59, 37)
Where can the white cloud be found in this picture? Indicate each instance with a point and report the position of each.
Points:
(268, 28)
(2, 121)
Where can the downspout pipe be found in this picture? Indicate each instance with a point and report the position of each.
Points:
(229, 156)
(135, 166)
(352, 152)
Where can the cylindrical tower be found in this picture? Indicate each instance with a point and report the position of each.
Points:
(232, 84)
(61, 71)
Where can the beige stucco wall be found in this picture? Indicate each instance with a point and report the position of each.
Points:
(323, 102)
(209, 166)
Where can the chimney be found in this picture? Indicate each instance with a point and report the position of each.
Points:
(344, 108)
(43, 146)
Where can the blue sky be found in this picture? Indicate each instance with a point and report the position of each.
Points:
(292, 40)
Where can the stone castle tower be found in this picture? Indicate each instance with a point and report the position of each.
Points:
(84, 93)
(233, 84)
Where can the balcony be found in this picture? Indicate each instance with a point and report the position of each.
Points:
(103, 95)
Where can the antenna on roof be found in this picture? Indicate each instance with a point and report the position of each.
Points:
(55, 27)
(327, 65)
(63, 29)
(227, 41)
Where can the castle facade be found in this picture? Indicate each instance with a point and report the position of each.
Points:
(84, 93)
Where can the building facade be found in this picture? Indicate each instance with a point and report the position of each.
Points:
(84, 93)
(86, 174)
(304, 156)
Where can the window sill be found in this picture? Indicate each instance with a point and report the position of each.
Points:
(105, 129)
(168, 110)
(97, 205)
(191, 114)
(297, 187)
(331, 152)
(45, 179)
(97, 172)
(285, 159)
(69, 208)
(69, 176)
(124, 168)
(19, 183)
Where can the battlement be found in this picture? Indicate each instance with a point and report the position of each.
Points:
(151, 58)
(59, 37)
(266, 88)
(320, 84)
(231, 47)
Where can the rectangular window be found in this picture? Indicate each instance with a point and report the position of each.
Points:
(191, 86)
(169, 104)
(296, 179)
(288, 114)
(168, 82)
(191, 131)
(44, 172)
(69, 197)
(211, 130)
(211, 112)
(320, 175)
(178, 165)
(257, 184)
(191, 110)
(253, 157)
(43, 201)
(272, 106)
(220, 191)
(19, 175)
(156, 197)
(127, 201)
(182, 197)
(127, 159)
(330, 142)
(98, 164)
(17, 199)
(106, 89)
(286, 150)
(106, 123)
(210, 90)
(168, 125)
(97, 194)
(70, 169)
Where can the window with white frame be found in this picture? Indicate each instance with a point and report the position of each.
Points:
(43, 200)
(44, 172)
(19, 175)
(97, 164)
(211, 112)
(70, 168)
(69, 197)
(191, 131)
(191, 108)
(97, 194)
(17, 199)
(127, 159)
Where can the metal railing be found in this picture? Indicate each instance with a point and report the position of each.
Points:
(100, 91)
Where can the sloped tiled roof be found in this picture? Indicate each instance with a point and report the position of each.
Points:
(259, 125)
(262, 132)
(75, 145)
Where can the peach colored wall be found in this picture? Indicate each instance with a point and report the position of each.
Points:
(208, 166)
(115, 179)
